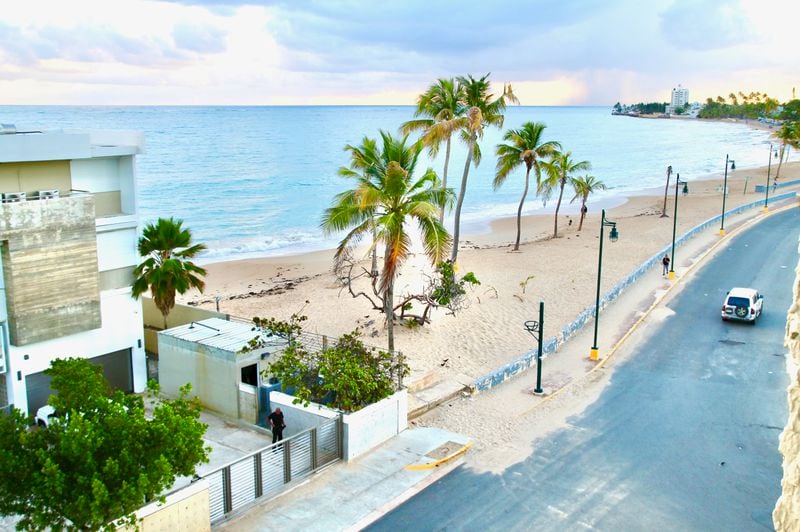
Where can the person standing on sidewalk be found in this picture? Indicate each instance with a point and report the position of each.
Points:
(665, 264)
(277, 425)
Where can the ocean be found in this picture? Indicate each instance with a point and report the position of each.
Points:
(254, 181)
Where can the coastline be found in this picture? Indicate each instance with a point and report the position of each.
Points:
(489, 332)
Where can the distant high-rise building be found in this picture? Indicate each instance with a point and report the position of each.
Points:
(680, 97)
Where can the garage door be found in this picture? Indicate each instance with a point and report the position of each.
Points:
(117, 369)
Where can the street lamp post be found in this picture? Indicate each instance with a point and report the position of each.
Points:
(613, 236)
(536, 328)
(675, 221)
(725, 191)
(766, 192)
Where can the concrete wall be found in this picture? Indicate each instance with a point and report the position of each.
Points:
(49, 258)
(187, 509)
(121, 328)
(212, 372)
(363, 430)
(180, 315)
(248, 403)
(786, 516)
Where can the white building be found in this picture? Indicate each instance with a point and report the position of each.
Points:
(68, 235)
(680, 97)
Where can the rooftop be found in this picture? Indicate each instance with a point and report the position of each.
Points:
(221, 334)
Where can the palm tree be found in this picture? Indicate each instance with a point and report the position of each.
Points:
(584, 186)
(441, 103)
(362, 158)
(388, 196)
(166, 269)
(482, 111)
(559, 170)
(789, 135)
(524, 146)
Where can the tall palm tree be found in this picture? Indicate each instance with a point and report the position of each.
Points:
(392, 198)
(362, 158)
(524, 146)
(558, 170)
(441, 104)
(167, 246)
(584, 186)
(482, 111)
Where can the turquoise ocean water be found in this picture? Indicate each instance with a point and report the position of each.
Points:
(254, 181)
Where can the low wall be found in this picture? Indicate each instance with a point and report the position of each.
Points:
(179, 315)
(185, 509)
(248, 403)
(363, 430)
(551, 345)
(762, 188)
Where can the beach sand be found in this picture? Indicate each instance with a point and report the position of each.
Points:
(562, 272)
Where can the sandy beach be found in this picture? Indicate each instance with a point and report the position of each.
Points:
(561, 272)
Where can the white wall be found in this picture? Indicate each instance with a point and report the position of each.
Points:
(95, 175)
(116, 248)
(363, 430)
(121, 328)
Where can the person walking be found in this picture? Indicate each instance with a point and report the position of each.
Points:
(665, 265)
(277, 425)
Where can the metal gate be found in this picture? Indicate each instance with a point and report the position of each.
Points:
(267, 473)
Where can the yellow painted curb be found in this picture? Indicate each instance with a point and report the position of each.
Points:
(437, 463)
(658, 301)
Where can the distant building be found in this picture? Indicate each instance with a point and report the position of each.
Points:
(68, 235)
(680, 97)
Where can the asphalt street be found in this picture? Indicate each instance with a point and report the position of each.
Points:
(684, 437)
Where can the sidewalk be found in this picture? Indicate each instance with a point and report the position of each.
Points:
(349, 496)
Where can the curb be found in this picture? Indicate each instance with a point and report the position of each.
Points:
(723, 239)
(410, 492)
(441, 461)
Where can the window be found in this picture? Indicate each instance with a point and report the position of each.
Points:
(250, 375)
(738, 302)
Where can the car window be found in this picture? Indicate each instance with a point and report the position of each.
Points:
(738, 301)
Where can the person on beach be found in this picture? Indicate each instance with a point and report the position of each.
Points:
(277, 425)
(665, 264)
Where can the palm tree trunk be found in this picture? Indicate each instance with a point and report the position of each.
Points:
(389, 311)
(519, 209)
(666, 189)
(374, 271)
(558, 206)
(444, 175)
(583, 213)
(460, 201)
(780, 162)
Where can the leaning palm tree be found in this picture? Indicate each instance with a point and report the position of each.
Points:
(789, 135)
(558, 171)
(388, 196)
(441, 104)
(524, 146)
(482, 111)
(584, 186)
(166, 269)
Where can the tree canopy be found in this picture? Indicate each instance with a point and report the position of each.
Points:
(101, 459)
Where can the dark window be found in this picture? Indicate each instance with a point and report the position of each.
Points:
(738, 302)
(250, 375)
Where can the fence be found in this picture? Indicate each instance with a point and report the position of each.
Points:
(265, 473)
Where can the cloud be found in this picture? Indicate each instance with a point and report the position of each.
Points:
(200, 39)
(701, 25)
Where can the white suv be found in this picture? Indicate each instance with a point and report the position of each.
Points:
(743, 304)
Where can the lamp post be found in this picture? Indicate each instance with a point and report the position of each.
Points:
(725, 191)
(536, 329)
(613, 236)
(675, 221)
(769, 167)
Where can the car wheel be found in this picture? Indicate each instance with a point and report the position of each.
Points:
(741, 311)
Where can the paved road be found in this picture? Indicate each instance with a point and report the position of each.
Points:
(684, 437)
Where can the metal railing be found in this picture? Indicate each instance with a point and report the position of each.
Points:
(266, 473)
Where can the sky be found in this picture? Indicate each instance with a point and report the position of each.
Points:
(344, 52)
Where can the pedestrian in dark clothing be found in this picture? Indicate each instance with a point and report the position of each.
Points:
(665, 264)
(276, 424)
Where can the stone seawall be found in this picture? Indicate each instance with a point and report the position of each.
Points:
(786, 516)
